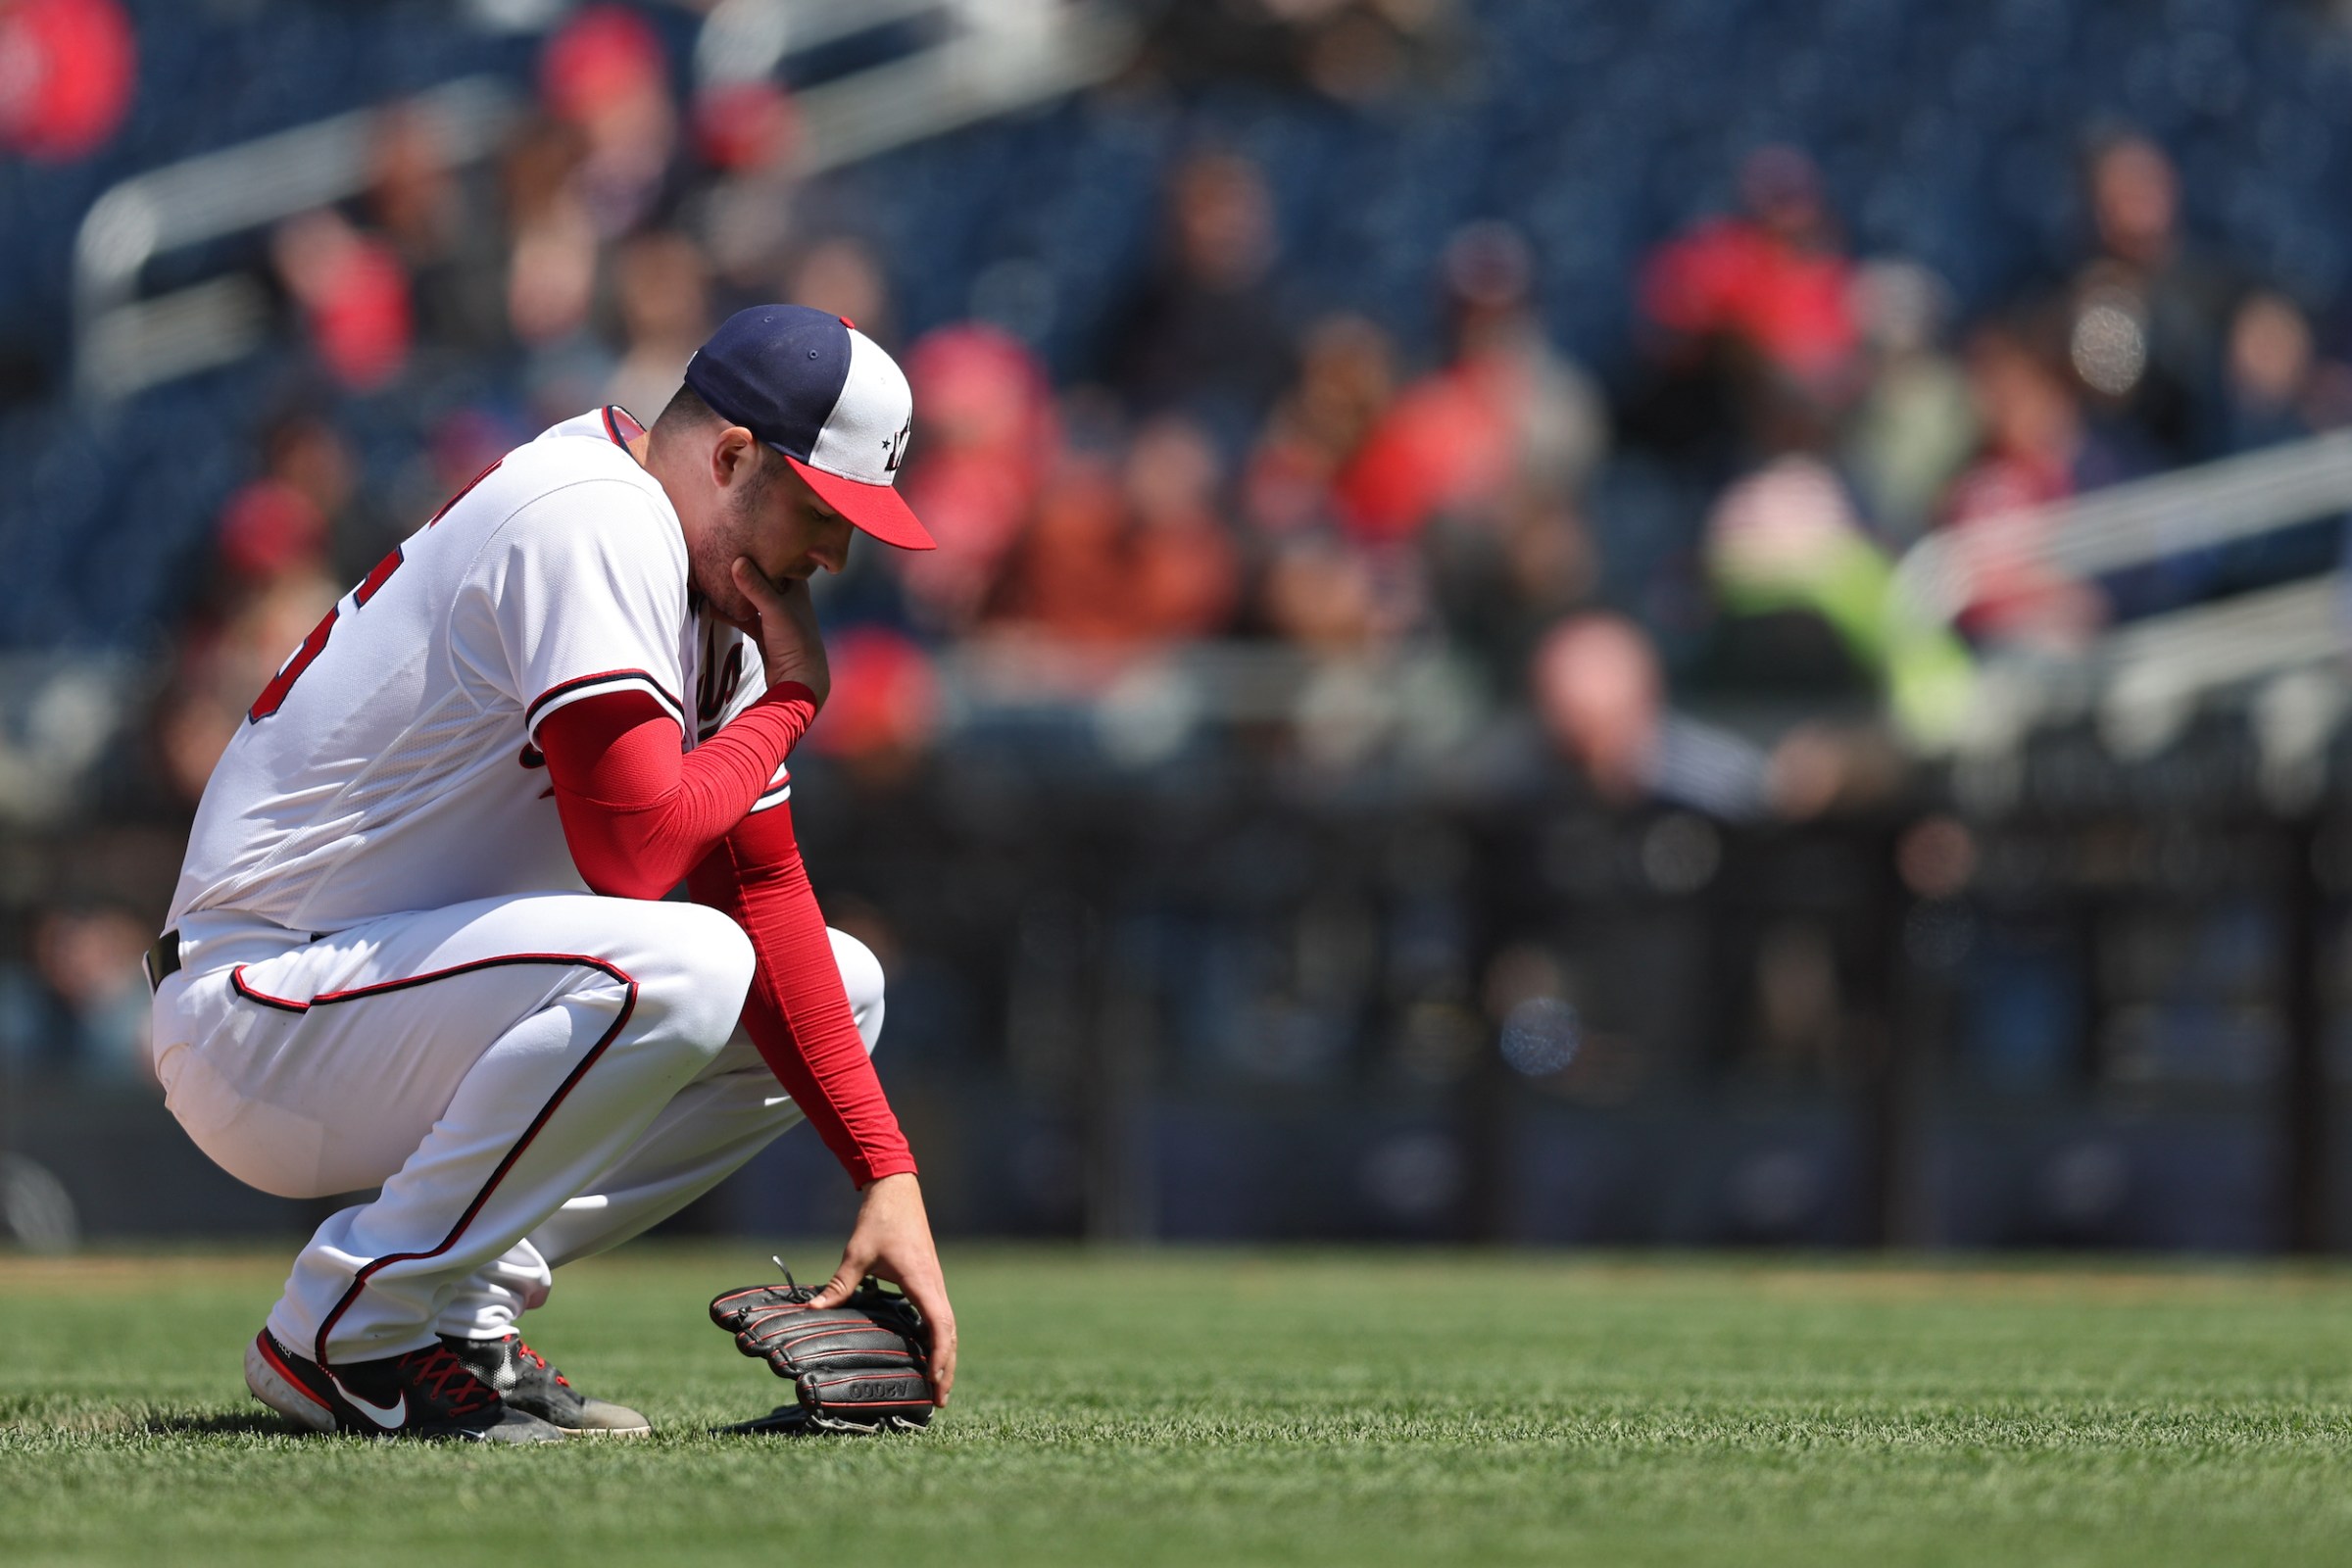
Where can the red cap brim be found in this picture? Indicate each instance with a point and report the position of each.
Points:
(876, 508)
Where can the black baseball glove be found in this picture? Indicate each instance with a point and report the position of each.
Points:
(862, 1366)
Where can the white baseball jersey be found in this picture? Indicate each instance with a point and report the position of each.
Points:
(390, 766)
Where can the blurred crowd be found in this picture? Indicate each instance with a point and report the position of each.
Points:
(1233, 463)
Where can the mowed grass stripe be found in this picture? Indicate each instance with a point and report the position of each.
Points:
(1310, 1407)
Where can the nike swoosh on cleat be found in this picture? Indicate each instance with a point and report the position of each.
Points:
(391, 1417)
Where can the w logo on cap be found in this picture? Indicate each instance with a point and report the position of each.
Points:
(896, 446)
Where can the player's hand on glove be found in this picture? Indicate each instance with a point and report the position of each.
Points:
(790, 646)
(860, 1358)
(892, 1241)
(857, 1367)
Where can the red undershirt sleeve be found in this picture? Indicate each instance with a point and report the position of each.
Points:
(639, 812)
(797, 1012)
(640, 815)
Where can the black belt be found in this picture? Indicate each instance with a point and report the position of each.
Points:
(161, 960)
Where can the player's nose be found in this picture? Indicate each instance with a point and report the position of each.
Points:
(833, 551)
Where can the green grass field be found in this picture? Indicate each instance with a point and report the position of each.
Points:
(1215, 1407)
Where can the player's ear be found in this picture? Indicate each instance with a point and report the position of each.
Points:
(733, 457)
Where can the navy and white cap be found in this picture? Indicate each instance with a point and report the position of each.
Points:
(826, 395)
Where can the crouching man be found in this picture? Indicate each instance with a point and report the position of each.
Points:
(420, 942)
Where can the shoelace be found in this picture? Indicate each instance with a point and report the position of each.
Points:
(448, 1381)
(525, 1350)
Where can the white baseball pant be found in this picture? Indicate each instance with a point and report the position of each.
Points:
(529, 1079)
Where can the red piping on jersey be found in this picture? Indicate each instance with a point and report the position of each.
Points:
(621, 1021)
(236, 978)
(530, 714)
(613, 428)
(463, 494)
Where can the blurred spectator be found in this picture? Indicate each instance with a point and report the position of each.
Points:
(1498, 584)
(1773, 281)
(742, 126)
(1915, 424)
(551, 238)
(1069, 579)
(1353, 50)
(1347, 377)
(1810, 594)
(2037, 450)
(79, 1007)
(2274, 388)
(553, 273)
(884, 707)
(1600, 696)
(664, 295)
(459, 446)
(90, 962)
(309, 457)
(604, 76)
(1125, 559)
(1204, 336)
(1804, 586)
(270, 586)
(352, 295)
(744, 219)
(269, 529)
(1326, 598)
(1369, 50)
(987, 438)
(2148, 308)
(441, 234)
(841, 277)
(1184, 567)
(68, 69)
(1507, 416)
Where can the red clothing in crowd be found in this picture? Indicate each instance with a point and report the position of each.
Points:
(1738, 278)
(1449, 440)
(66, 70)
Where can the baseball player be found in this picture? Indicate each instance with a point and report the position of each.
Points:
(421, 941)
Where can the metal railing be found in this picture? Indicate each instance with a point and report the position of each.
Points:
(2142, 679)
(124, 343)
(2132, 524)
(970, 59)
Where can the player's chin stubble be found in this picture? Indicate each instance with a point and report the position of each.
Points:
(714, 566)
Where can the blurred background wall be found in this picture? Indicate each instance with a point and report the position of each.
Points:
(1707, 622)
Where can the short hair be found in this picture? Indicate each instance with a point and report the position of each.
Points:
(687, 412)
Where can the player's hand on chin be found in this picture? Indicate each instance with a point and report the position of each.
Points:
(785, 631)
(893, 1241)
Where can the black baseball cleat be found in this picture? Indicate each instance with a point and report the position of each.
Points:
(521, 1377)
(426, 1393)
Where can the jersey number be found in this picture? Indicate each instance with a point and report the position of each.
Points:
(273, 696)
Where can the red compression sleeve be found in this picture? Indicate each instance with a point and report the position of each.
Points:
(639, 815)
(797, 1013)
(639, 812)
